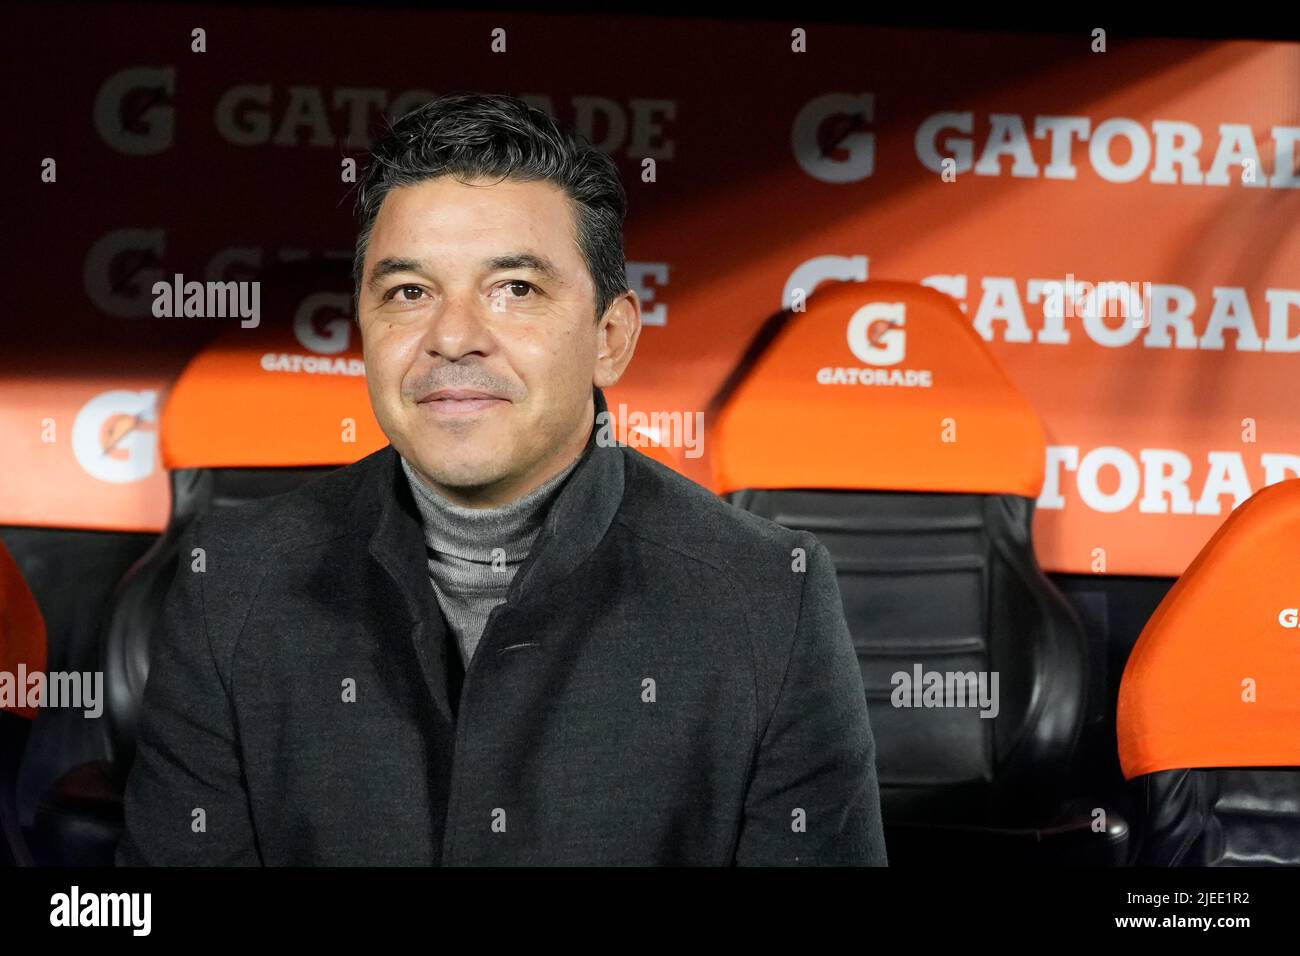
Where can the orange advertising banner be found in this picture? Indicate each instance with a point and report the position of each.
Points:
(1115, 218)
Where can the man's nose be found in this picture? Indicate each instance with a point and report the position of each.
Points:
(458, 328)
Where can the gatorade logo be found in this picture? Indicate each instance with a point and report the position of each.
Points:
(877, 336)
(335, 335)
(1290, 617)
(114, 437)
(332, 337)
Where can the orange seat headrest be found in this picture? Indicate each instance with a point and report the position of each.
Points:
(1214, 679)
(882, 386)
(283, 395)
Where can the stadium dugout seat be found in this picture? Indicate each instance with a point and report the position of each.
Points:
(23, 650)
(1209, 705)
(256, 413)
(878, 420)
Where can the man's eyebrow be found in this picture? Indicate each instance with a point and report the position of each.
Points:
(390, 264)
(511, 260)
(524, 260)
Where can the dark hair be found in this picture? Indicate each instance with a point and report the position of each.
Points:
(471, 135)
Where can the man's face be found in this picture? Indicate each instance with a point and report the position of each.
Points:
(481, 345)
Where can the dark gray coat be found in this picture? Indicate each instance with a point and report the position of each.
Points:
(665, 684)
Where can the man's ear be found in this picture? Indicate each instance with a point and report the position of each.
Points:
(617, 333)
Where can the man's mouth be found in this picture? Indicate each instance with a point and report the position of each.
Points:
(460, 401)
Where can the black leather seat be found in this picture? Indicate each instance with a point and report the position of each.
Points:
(1220, 816)
(1208, 727)
(949, 583)
(933, 580)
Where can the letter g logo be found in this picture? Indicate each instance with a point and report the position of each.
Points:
(876, 333)
(1290, 617)
(337, 333)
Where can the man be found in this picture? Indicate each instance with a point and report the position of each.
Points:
(501, 639)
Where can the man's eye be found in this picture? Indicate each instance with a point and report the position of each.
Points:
(518, 282)
(400, 289)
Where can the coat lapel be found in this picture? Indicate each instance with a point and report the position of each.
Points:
(578, 519)
(398, 545)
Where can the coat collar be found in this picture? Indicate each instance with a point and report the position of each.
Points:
(574, 526)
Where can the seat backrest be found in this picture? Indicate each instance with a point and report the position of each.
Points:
(878, 420)
(1209, 705)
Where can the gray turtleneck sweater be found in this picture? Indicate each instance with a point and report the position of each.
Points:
(474, 553)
